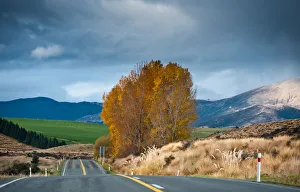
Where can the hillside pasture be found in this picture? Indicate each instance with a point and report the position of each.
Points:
(202, 132)
(72, 131)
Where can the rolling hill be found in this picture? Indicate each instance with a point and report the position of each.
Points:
(10, 144)
(46, 108)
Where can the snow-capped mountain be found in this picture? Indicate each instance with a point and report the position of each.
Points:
(268, 103)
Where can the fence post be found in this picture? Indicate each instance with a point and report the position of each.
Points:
(258, 166)
(29, 171)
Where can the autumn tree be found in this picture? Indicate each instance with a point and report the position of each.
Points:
(173, 104)
(152, 105)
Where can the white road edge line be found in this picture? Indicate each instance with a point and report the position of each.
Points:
(137, 178)
(157, 186)
(11, 182)
(100, 168)
(65, 167)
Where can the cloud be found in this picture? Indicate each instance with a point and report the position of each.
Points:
(86, 90)
(142, 15)
(2, 47)
(229, 46)
(50, 51)
(232, 81)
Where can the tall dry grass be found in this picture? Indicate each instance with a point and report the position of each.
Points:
(230, 158)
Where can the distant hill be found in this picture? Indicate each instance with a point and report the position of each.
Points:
(46, 108)
(276, 102)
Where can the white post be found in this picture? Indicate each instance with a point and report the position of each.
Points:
(131, 171)
(45, 172)
(178, 172)
(29, 171)
(109, 168)
(258, 166)
(57, 167)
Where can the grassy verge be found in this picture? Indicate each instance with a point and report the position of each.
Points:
(70, 131)
(226, 158)
(11, 176)
(290, 180)
(57, 170)
(106, 167)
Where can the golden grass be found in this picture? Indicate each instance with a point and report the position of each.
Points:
(10, 144)
(229, 158)
(44, 162)
(84, 148)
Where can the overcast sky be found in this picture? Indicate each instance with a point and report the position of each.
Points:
(74, 50)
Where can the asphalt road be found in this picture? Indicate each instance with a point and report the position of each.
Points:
(86, 175)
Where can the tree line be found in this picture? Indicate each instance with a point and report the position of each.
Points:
(153, 105)
(27, 137)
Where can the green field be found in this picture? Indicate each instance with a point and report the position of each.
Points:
(65, 130)
(204, 132)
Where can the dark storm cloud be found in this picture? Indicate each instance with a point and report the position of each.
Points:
(17, 16)
(215, 39)
(223, 30)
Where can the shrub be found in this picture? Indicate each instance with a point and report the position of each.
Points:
(35, 158)
(101, 141)
(17, 168)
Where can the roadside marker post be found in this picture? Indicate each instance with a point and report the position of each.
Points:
(258, 166)
(45, 172)
(178, 172)
(109, 168)
(102, 154)
(131, 171)
(29, 171)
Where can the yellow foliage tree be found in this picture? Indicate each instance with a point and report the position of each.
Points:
(153, 105)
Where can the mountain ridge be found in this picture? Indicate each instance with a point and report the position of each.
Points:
(47, 108)
(264, 104)
(276, 102)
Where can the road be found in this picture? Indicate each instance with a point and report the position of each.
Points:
(87, 175)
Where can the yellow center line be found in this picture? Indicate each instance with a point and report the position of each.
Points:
(142, 183)
(82, 167)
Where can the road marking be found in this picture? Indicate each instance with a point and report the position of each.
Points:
(157, 186)
(11, 182)
(63, 174)
(142, 183)
(137, 178)
(82, 167)
(101, 168)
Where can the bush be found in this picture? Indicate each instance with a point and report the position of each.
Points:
(17, 168)
(35, 158)
(101, 141)
(35, 168)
